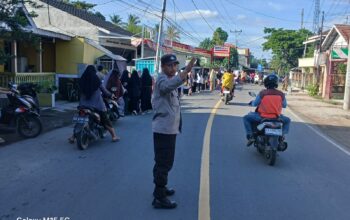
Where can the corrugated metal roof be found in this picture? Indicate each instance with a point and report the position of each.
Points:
(337, 29)
(87, 16)
(344, 30)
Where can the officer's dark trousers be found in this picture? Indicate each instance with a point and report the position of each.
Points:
(164, 152)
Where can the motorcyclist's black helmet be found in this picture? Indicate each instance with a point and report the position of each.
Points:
(271, 81)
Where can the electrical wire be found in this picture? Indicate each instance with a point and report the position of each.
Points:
(219, 15)
(260, 13)
(202, 16)
(184, 32)
(184, 18)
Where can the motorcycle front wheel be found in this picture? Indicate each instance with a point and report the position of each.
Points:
(29, 126)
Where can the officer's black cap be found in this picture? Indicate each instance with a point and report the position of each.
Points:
(169, 58)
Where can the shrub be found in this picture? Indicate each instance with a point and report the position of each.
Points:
(46, 87)
(312, 89)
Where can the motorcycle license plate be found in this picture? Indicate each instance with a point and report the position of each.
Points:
(226, 92)
(79, 119)
(275, 132)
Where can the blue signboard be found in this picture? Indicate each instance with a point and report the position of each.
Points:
(260, 68)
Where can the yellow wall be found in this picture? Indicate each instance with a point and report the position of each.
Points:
(68, 55)
(2, 47)
(91, 53)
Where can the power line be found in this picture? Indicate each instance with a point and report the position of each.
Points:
(221, 20)
(202, 16)
(178, 27)
(251, 41)
(260, 13)
(226, 12)
(184, 18)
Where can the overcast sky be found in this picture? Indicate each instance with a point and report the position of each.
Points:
(197, 18)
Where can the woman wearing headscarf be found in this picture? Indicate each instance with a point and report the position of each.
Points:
(114, 81)
(146, 90)
(134, 92)
(90, 96)
(125, 78)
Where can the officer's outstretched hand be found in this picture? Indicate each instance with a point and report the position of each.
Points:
(188, 68)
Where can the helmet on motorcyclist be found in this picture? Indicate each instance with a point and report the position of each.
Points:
(271, 81)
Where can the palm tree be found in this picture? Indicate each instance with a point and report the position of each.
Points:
(133, 20)
(173, 34)
(132, 24)
(116, 19)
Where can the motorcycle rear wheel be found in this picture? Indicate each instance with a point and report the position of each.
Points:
(270, 156)
(83, 139)
(226, 99)
(29, 126)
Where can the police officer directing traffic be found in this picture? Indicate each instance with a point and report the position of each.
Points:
(166, 125)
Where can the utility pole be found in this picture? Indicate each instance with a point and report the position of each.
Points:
(159, 37)
(236, 32)
(304, 53)
(142, 43)
(346, 105)
(316, 21)
(319, 51)
(302, 19)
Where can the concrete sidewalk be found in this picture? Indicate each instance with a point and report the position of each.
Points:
(328, 116)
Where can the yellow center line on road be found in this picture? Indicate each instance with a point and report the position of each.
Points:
(204, 188)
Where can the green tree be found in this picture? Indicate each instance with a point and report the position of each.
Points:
(173, 34)
(15, 20)
(98, 14)
(206, 44)
(132, 24)
(117, 20)
(219, 36)
(286, 46)
(81, 4)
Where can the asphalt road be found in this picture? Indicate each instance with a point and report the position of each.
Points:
(47, 177)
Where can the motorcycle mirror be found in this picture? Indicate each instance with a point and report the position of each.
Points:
(252, 94)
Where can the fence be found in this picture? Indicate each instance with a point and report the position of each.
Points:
(38, 78)
(303, 80)
(338, 85)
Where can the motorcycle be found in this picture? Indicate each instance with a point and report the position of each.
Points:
(21, 114)
(269, 137)
(28, 91)
(112, 107)
(227, 96)
(88, 127)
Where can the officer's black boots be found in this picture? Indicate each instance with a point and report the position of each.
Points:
(163, 203)
(169, 191)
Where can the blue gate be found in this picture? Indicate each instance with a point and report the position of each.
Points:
(140, 64)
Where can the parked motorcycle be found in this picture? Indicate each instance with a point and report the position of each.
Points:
(88, 127)
(21, 114)
(227, 96)
(28, 91)
(112, 107)
(269, 137)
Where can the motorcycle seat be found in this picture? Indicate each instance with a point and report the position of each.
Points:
(271, 120)
(82, 107)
